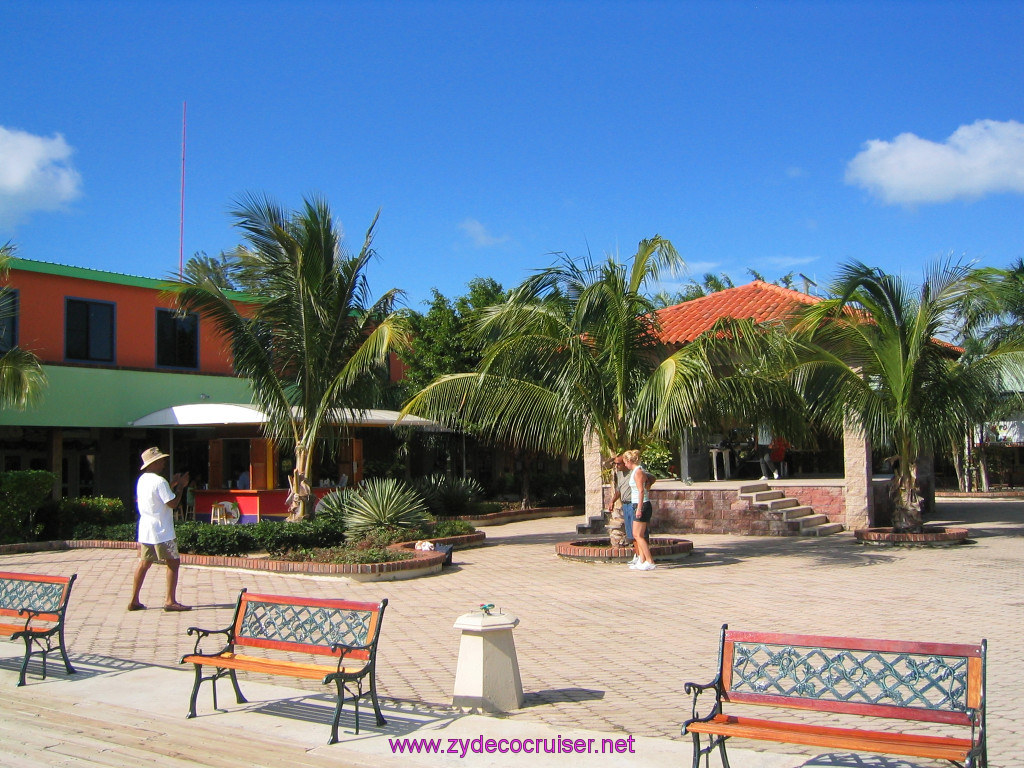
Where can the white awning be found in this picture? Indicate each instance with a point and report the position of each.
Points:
(218, 414)
(201, 415)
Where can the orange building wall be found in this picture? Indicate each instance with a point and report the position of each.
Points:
(41, 320)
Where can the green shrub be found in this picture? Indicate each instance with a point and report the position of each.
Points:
(277, 538)
(349, 555)
(21, 494)
(445, 528)
(657, 459)
(385, 536)
(206, 539)
(119, 532)
(383, 503)
(484, 507)
(68, 515)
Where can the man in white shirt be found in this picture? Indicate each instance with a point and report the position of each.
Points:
(156, 499)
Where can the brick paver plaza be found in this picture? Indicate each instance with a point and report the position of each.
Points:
(602, 648)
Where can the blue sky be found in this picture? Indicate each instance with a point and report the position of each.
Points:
(778, 136)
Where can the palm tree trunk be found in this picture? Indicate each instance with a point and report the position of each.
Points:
(983, 462)
(906, 512)
(957, 455)
(301, 497)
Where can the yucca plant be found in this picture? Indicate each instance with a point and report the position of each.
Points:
(383, 502)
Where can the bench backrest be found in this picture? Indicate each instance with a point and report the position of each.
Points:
(307, 624)
(45, 595)
(930, 682)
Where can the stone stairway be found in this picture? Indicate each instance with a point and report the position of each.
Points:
(595, 525)
(790, 517)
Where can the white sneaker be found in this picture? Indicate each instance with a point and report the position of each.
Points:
(634, 566)
(635, 560)
(764, 477)
(776, 474)
(646, 567)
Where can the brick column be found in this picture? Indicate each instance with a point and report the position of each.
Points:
(592, 483)
(859, 496)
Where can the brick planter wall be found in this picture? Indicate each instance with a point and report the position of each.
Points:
(703, 510)
(598, 550)
(422, 563)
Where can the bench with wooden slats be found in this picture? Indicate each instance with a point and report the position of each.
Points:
(342, 630)
(37, 603)
(901, 681)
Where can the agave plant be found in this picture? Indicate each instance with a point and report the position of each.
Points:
(383, 502)
(331, 509)
(447, 495)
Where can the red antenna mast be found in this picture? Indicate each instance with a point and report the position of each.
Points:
(181, 219)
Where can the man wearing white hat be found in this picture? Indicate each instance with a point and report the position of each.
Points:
(157, 499)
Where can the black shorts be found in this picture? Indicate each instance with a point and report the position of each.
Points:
(644, 513)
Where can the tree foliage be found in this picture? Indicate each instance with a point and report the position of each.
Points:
(22, 379)
(314, 343)
(563, 357)
(880, 360)
(444, 338)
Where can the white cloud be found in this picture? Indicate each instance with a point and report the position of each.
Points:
(788, 262)
(984, 158)
(698, 268)
(479, 234)
(35, 174)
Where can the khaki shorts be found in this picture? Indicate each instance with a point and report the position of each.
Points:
(159, 553)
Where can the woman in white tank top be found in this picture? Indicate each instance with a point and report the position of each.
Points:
(644, 511)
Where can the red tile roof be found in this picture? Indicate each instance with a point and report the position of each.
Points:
(758, 301)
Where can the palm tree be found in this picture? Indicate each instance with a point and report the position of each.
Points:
(738, 373)
(563, 360)
(22, 379)
(874, 355)
(314, 345)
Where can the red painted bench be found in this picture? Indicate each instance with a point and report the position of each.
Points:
(39, 603)
(343, 630)
(884, 679)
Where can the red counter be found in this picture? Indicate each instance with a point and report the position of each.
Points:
(252, 505)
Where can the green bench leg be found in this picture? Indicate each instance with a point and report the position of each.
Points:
(213, 685)
(64, 651)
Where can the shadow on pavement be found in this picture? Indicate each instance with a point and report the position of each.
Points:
(536, 538)
(320, 709)
(553, 695)
(825, 553)
(850, 760)
(87, 666)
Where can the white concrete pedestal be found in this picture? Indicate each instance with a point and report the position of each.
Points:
(487, 677)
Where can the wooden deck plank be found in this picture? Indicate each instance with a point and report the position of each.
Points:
(112, 738)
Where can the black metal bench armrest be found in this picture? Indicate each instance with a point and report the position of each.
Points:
(346, 649)
(201, 633)
(697, 689)
(30, 614)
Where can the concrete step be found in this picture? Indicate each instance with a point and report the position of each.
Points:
(812, 521)
(594, 524)
(759, 496)
(795, 513)
(749, 488)
(777, 504)
(827, 529)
